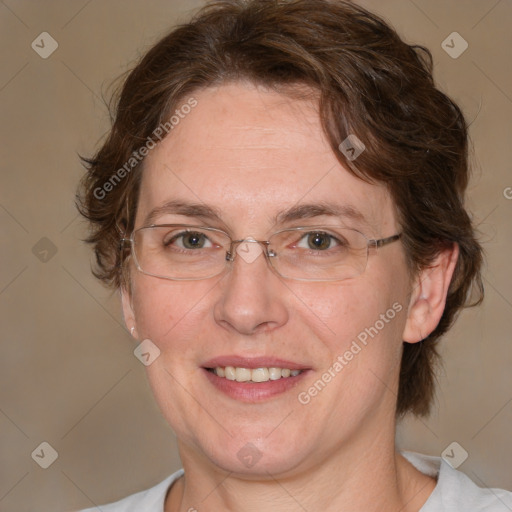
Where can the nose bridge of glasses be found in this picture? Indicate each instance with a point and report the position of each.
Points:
(249, 252)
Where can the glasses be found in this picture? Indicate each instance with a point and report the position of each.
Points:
(313, 253)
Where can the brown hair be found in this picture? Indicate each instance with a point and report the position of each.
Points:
(369, 83)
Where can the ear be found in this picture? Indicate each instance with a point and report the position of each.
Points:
(428, 297)
(128, 314)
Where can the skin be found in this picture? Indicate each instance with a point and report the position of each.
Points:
(251, 153)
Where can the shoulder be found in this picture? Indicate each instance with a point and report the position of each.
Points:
(456, 492)
(151, 499)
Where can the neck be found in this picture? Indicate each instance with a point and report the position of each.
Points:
(359, 475)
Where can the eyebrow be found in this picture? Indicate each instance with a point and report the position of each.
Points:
(297, 212)
(186, 209)
(308, 211)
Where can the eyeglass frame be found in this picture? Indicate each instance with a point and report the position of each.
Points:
(230, 256)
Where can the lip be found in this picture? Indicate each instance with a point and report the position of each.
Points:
(253, 363)
(253, 392)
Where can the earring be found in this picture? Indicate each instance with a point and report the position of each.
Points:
(131, 330)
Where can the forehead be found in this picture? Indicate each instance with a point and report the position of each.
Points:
(249, 154)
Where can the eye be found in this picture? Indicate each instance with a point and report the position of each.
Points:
(189, 240)
(318, 241)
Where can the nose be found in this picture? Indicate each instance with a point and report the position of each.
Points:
(251, 298)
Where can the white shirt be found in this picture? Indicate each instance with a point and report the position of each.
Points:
(454, 492)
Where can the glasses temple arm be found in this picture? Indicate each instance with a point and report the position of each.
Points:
(384, 241)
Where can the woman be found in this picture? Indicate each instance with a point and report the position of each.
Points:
(280, 204)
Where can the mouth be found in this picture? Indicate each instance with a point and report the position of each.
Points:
(253, 379)
(240, 374)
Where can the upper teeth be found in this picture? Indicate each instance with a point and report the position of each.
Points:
(256, 375)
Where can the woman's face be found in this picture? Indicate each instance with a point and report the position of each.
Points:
(252, 156)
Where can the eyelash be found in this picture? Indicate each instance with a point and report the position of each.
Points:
(303, 238)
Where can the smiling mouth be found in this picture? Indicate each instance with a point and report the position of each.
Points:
(256, 375)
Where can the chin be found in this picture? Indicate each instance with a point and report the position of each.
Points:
(253, 463)
(253, 455)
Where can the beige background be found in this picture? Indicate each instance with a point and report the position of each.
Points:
(67, 371)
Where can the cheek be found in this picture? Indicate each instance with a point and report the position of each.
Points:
(170, 313)
(352, 310)
(174, 316)
(360, 325)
